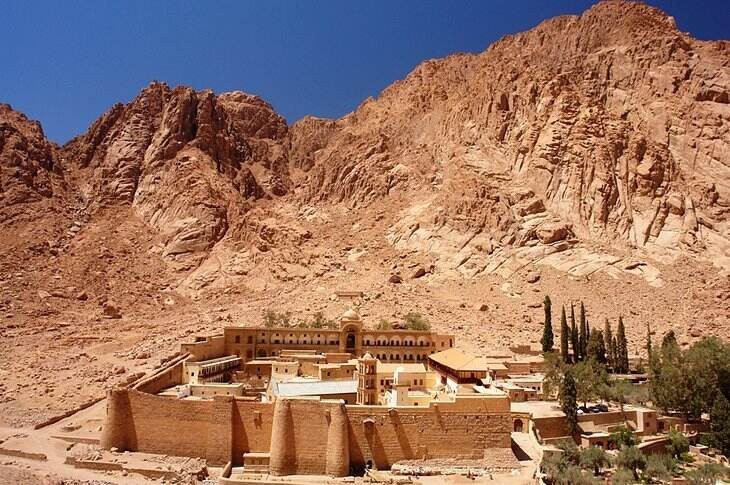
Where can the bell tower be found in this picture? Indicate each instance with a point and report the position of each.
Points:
(367, 389)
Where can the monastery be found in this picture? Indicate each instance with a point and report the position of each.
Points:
(292, 401)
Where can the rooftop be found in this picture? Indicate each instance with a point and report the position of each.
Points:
(459, 360)
(314, 388)
(390, 368)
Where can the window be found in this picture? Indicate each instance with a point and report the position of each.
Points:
(238, 339)
(250, 339)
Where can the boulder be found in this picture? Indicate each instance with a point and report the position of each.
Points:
(111, 310)
(532, 277)
(420, 271)
(550, 232)
(395, 279)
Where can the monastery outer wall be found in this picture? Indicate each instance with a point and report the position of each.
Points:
(463, 429)
(163, 379)
(304, 436)
(206, 348)
(138, 421)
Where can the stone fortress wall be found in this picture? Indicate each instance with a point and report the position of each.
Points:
(304, 436)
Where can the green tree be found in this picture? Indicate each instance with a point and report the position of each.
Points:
(384, 324)
(623, 437)
(666, 374)
(619, 392)
(564, 337)
(622, 349)
(648, 342)
(583, 332)
(632, 459)
(547, 330)
(702, 365)
(594, 458)
(608, 344)
(720, 424)
(568, 400)
(596, 347)
(591, 380)
(678, 444)
(574, 339)
(554, 370)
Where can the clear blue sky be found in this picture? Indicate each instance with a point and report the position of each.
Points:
(65, 63)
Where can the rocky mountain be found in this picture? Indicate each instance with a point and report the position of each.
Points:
(191, 163)
(612, 128)
(588, 159)
(29, 168)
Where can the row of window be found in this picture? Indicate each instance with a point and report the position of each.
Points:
(380, 342)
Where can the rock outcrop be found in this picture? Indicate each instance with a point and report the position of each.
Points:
(613, 126)
(191, 163)
(29, 165)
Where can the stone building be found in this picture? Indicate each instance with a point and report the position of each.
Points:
(337, 401)
(251, 343)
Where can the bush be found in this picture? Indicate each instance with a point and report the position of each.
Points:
(678, 443)
(384, 324)
(632, 459)
(273, 318)
(623, 437)
(623, 477)
(594, 458)
(659, 467)
(706, 474)
(415, 321)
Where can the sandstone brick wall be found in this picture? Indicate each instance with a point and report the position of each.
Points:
(384, 436)
(551, 427)
(304, 436)
(163, 379)
(138, 421)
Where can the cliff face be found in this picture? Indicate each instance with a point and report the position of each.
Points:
(191, 163)
(29, 166)
(613, 127)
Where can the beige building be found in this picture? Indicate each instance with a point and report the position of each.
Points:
(351, 338)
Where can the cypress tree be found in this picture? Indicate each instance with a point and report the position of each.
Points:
(547, 331)
(616, 363)
(596, 347)
(564, 331)
(648, 342)
(720, 424)
(583, 335)
(574, 335)
(623, 351)
(569, 400)
(608, 343)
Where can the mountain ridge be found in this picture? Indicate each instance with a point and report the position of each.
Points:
(587, 158)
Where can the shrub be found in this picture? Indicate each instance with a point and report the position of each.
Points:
(415, 321)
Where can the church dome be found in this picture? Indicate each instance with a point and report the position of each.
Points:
(350, 315)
